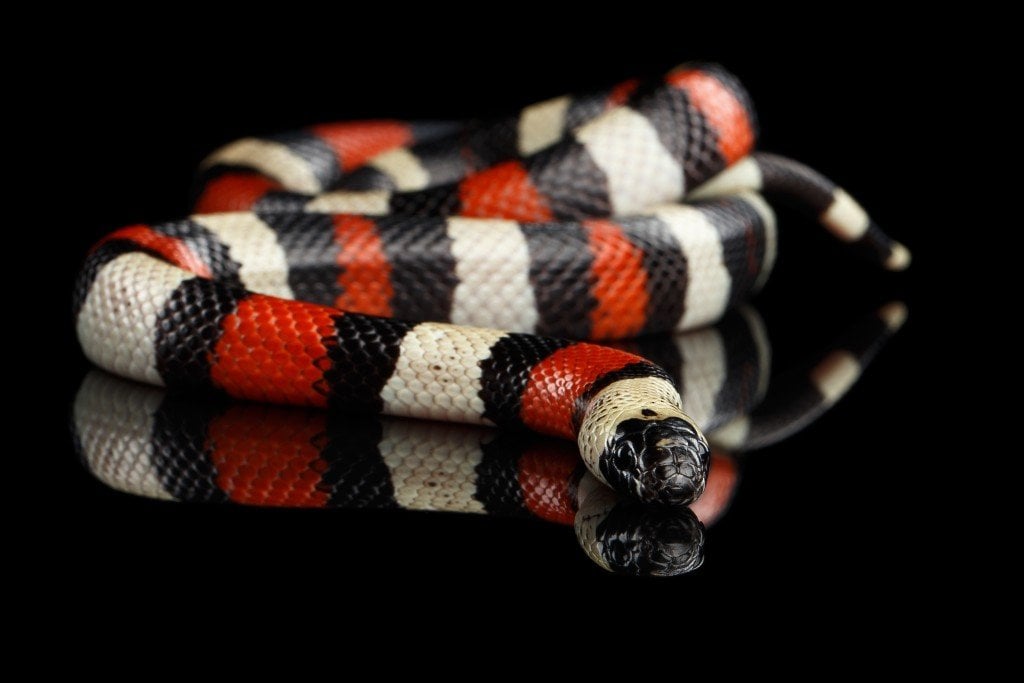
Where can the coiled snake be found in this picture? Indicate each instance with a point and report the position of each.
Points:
(346, 266)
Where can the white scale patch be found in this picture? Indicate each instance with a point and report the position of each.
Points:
(117, 323)
(845, 217)
(433, 465)
(834, 376)
(732, 435)
(404, 169)
(894, 314)
(771, 237)
(437, 375)
(640, 171)
(114, 423)
(542, 125)
(254, 244)
(270, 158)
(595, 502)
(492, 264)
(708, 281)
(763, 346)
(704, 370)
(745, 174)
(899, 259)
(371, 203)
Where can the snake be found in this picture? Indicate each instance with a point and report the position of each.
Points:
(170, 446)
(462, 271)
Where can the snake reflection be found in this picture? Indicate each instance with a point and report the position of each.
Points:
(147, 442)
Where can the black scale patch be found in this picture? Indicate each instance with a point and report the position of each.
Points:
(442, 200)
(497, 476)
(571, 182)
(315, 151)
(741, 232)
(181, 450)
(210, 250)
(188, 328)
(422, 267)
(805, 188)
(682, 129)
(280, 201)
(312, 254)
(364, 357)
(561, 277)
(666, 269)
(743, 370)
(356, 474)
(507, 371)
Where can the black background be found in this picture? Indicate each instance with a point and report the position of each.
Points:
(831, 522)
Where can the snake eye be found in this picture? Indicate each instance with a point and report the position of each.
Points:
(625, 458)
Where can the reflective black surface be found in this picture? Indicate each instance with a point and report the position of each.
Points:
(797, 527)
(191, 448)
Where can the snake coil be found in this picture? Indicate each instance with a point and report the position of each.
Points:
(376, 266)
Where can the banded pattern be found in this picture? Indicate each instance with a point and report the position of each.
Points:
(574, 235)
(815, 195)
(482, 144)
(142, 315)
(678, 268)
(146, 442)
(662, 140)
(310, 160)
(389, 155)
(140, 440)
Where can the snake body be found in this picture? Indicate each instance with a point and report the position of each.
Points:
(526, 243)
(147, 442)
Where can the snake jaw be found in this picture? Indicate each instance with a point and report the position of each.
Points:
(657, 461)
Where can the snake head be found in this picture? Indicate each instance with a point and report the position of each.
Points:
(657, 460)
(627, 537)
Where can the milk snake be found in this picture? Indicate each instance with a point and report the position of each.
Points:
(292, 287)
(150, 443)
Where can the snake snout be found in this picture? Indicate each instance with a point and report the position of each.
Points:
(679, 468)
(658, 461)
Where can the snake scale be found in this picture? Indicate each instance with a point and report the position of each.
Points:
(444, 271)
(147, 442)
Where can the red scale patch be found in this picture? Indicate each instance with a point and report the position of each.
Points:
(355, 142)
(273, 350)
(723, 477)
(620, 282)
(561, 379)
(621, 93)
(365, 278)
(724, 112)
(234, 192)
(545, 472)
(266, 456)
(503, 191)
(171, 248)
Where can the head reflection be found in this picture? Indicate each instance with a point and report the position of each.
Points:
(145, 442)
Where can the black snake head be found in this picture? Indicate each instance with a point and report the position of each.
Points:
(657, 461)
(628, 537)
